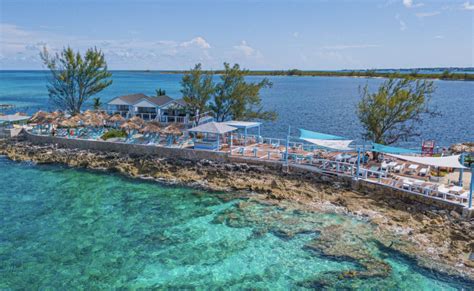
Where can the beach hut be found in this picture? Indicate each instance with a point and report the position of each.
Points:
(212, 133)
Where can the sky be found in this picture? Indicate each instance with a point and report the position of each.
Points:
(267, 35)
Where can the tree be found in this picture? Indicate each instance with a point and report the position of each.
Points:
(197, 89)
(237, 99)
(75, 78)
(97, 103)
(393, 112)
(160, 92)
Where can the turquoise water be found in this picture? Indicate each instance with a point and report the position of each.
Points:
(63, 228)
(325, 104)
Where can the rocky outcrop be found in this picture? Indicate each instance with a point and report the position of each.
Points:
(467, 147)
(436, 239)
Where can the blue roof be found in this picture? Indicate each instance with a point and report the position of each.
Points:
(392, 150)
(317, 135)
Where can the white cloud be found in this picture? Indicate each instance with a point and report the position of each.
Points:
(402, 23)
(296, 34)
(349, 46)
(427, 14)
(197, 41)
(20, 48)
(410, 4)
(439, 37)
(468, 6)
(244, 48)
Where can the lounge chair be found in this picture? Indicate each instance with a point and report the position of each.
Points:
(384, 165)
(399, 168)
(443, 191)
(424, 171)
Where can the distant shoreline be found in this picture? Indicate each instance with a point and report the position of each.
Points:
(355, 74)
(447, 75)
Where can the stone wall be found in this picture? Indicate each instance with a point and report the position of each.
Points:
(299, 171)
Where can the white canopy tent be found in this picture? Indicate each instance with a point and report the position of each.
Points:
(443, 162)
(341, 145)
(213, 128)
(13, 118)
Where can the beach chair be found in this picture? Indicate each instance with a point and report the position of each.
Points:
(464, 197)
(399, 168)
(412, 169)
(384, 165)
(443, 191)
(424, 171)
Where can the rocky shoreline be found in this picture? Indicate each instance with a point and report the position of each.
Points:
(436, 239)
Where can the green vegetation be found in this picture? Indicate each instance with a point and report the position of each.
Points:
(230, 98)
(197, 89)
(114, 133)
(394, 111)
(96, 103)
(75, 78)
(446, 75)
(160, 92)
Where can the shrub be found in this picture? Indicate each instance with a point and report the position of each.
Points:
(114, 133)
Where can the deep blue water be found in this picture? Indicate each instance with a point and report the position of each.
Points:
(62, 229)
(325, 104)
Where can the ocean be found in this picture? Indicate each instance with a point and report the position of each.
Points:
(324, 104)
(64, 228)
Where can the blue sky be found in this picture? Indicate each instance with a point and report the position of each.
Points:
(304, 34)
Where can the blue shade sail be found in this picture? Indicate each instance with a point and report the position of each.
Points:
(317, 135)
(392, 150)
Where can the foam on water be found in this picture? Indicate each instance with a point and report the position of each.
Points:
(64, 228)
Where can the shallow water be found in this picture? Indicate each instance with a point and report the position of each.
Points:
(325, 104)
(64, 228)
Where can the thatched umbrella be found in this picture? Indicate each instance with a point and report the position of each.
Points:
(88, 113)
(117, 118)
(172, 130)
(93, 121)
(130, 125)
(39, 117)
(68, 123)
(155, 123)
(137, 120)
(152, 128)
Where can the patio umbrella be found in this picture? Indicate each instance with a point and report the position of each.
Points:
(151, 128)
(117, 118)
(172, 130)
(137, 120)
(68, 123)
(130, 125)
(39, 117)
(93, 121)
(154, 122)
